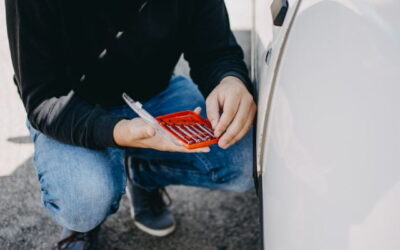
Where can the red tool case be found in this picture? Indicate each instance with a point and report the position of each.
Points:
(190, 128)
(185, 127)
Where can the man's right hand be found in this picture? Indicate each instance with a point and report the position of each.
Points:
(137, 133)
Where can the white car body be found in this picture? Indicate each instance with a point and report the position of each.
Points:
(328, 130)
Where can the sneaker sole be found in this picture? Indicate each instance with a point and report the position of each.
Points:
(155, 232)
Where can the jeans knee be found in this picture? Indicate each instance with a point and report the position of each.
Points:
(241, 184)
(84, 207)
(238, 179)
(74, 219)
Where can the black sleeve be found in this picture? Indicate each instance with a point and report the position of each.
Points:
(211, 49)
(38, 53)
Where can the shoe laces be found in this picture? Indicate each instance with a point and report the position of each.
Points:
(164, 193)
(156, 201)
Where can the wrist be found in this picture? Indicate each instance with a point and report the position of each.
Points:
(238, 79)
(232, 78)
(230, 81)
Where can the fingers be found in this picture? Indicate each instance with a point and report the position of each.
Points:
(230, 108)
(236, 126)
(171, 147)
(182, 149)
(212, 110)
(241, 134)
(241, 123)
(197, 110)
(175, 148)
(196, 150)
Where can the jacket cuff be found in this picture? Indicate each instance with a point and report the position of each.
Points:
(103, 131)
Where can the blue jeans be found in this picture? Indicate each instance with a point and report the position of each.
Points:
(81, 187)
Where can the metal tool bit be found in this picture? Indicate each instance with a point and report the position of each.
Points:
(179, 134)
(194, 133)
(205, 130)
(187, 134)
(199, 132)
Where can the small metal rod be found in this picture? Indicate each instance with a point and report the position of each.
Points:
(205, 130)
(195, 133)
(178, 134)
(196, 129)
(187, 134)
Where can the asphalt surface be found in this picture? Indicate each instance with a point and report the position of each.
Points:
(206, 219)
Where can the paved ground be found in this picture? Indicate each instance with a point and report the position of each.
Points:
(206, 219)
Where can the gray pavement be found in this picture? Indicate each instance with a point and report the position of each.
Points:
(206, 219)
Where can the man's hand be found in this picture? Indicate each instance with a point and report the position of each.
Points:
(137, 133)
(231, 110)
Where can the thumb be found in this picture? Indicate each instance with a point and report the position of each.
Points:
(142, 131)
(197, 110)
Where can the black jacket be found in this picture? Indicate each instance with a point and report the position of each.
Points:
(71, 60)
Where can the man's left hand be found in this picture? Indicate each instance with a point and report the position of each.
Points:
(231, 110)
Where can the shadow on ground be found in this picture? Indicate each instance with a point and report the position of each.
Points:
(207, 220)
(20, 139)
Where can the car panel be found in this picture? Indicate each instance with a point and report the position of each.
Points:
(331, 175)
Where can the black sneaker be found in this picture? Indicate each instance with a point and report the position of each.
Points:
(150, 212)
(79, 241)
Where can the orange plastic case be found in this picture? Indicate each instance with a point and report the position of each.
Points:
(190, 128)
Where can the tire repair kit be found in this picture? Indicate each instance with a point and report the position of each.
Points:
(185, 128)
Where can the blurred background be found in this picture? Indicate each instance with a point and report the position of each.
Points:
(206, 219)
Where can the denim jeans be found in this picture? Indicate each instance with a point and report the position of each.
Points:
(81, 187)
